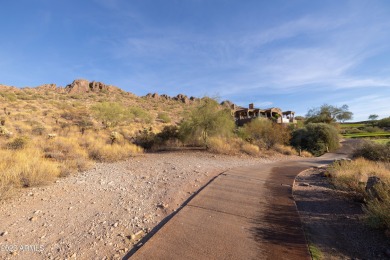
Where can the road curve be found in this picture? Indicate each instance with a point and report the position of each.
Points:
(244, 213)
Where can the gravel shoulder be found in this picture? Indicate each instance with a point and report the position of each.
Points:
(103, 212)
(333, 221)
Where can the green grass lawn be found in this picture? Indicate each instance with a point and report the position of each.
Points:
(373, 135)
(353, 125)
(381, 141)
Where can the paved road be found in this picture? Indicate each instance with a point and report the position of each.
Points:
(244, 213)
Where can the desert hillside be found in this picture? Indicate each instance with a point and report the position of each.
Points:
(52, 131)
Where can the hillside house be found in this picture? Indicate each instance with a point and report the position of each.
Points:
(244, 115)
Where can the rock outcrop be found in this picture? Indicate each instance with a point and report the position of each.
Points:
(79, 86)
(153, 96)
(182, 98)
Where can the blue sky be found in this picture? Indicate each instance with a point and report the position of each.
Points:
(293, 54)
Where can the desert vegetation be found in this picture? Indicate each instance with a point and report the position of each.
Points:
(369, 182)
(51, 133)
(47, 132)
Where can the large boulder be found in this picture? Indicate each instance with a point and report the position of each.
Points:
(182, 98)
(78, 86)
(96, 86)
(84, 86)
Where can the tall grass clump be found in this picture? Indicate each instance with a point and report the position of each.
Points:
(353, 176)
(68, 152)
(223, 145)
(250, 149)
(25, 168)
(284, 149)
(103, 148)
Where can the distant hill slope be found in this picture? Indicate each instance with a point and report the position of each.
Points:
(49, 105)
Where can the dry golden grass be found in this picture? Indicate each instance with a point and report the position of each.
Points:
(220, 145)
(113, 152)
(306, 154)
(284, 149)
(31, 117)
(25, 168)
(352, 176)
(250, 149)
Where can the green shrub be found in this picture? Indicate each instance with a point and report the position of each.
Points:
(265, 133)
(145, 139)
(140, 114)
(110, 113)
(385, 122)
(373, 151)
(164, 117)
(317, 138)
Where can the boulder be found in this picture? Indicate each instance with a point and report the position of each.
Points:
(370, 186)
(182, 98)
(164, 96)
(96, 86)
(78, 86)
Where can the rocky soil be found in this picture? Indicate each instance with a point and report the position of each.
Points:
(103, 212)
(334, 222)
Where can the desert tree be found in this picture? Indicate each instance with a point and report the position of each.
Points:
(328, 114)
(205, 120)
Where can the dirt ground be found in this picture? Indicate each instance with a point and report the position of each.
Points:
(101, 213)
(333, 222)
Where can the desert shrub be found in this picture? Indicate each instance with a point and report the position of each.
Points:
(24, 168)
(378, 209)
(18, 143)
(385, 122)
(206, 120)
(164, 117)
(38, 130)
(168, 137)
(373, 151)
(317, 138)
(110, 113)
(284, 149)
(352, 176)
(265, 133)
(140, 115)
(372, 129)
(145, 139)
(9, 96)
(352, 131)
(250, 149)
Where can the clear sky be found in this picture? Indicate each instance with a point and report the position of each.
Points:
(292, 54)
